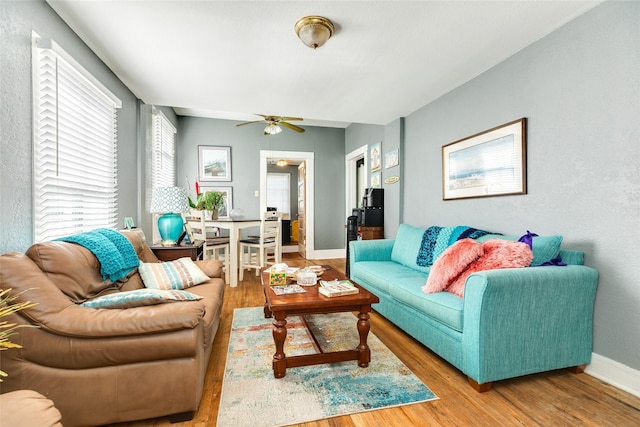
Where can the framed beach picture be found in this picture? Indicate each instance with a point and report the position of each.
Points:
(214, 163)
(376, 179)
(391, 159)
(376, 156)
(490, 163)
(223, 212)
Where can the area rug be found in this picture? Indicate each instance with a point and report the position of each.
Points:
(251, 396)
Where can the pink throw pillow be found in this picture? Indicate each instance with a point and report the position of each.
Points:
(498, 254)
(453, 261)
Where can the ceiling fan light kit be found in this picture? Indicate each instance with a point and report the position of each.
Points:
(274, 123)
(314, 31)
(272, 129)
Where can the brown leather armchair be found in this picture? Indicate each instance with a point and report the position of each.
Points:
(102, 366)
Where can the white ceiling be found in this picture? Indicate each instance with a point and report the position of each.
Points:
(229, 59)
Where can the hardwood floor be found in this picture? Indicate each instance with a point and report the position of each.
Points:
(558, 398)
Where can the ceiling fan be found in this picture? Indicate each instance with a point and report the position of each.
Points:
(274, 122)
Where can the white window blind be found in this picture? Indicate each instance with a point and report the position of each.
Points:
(278, 192)
(74, 146)
(163, 151)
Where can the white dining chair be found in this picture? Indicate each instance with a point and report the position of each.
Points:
(214, 247)
(256, 252)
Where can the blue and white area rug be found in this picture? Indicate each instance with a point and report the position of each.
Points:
(251, 396)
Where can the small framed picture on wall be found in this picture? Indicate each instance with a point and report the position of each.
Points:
(391, 159)
(375, 180)
(376, 157)
(214, 163)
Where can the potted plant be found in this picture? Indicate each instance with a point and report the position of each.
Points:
(212, 201)
(7, 307)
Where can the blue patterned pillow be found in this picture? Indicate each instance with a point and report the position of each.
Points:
(139, 298)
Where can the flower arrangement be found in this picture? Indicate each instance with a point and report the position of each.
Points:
(7, 307)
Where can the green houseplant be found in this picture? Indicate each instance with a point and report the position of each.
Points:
(7, 307)
(212, 202)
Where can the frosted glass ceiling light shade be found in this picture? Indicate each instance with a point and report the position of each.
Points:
(272, 129)
(314, 31)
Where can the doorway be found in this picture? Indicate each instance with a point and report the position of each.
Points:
(267, 156)
(356, 173)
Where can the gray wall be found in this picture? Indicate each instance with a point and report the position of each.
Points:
(17, 20)
(579, 89)
(357, 135)
(246, 143)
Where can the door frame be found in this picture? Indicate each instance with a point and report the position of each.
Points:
(351, 167)
(308, 158)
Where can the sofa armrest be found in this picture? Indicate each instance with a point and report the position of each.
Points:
(520, 321)
(210, 267)
(370, 250)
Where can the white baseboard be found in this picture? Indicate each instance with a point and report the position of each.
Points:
(329, 253)
(614, 373)
(289, 249)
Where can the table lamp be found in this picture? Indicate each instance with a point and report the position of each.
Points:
(170, 201)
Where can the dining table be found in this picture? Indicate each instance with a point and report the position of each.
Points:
(235, 226)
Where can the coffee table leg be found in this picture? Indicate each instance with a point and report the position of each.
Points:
(267, 312)
(363, 330)
(279, 336)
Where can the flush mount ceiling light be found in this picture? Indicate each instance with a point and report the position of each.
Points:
(282, 163)
(314, 31)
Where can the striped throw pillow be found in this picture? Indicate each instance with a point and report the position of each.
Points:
(179, 274)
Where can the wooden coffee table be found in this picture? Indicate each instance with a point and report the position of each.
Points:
(312, 302)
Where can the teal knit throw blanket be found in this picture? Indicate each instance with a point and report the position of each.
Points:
(115, 253)
(436, 239)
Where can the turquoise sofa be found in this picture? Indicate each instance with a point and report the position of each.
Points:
(511, 322)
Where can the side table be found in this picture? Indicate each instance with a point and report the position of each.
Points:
(171, 253)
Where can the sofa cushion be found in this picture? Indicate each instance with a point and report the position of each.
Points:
(407, 245)
(444, 307)
(498, 253)
(79, 283)
(379, 275)
(545, 248)
(139, 298)
(451, 263)
(178, 274)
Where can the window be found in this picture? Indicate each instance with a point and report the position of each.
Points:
(74, 146)
(278, 193)
(163, 171)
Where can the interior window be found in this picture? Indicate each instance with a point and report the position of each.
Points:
(74, 146)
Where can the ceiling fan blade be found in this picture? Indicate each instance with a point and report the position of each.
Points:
(292, 127)
(248, 123)
(290, 118)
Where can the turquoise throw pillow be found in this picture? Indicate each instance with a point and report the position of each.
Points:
(139, 298)
(545, 248)
(406, 246)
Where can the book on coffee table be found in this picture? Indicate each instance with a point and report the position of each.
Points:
(287, 289)
(337, 288)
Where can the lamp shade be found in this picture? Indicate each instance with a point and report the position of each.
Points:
(169, 199)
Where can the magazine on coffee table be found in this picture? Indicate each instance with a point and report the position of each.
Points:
(336, 288)
(287, 289)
